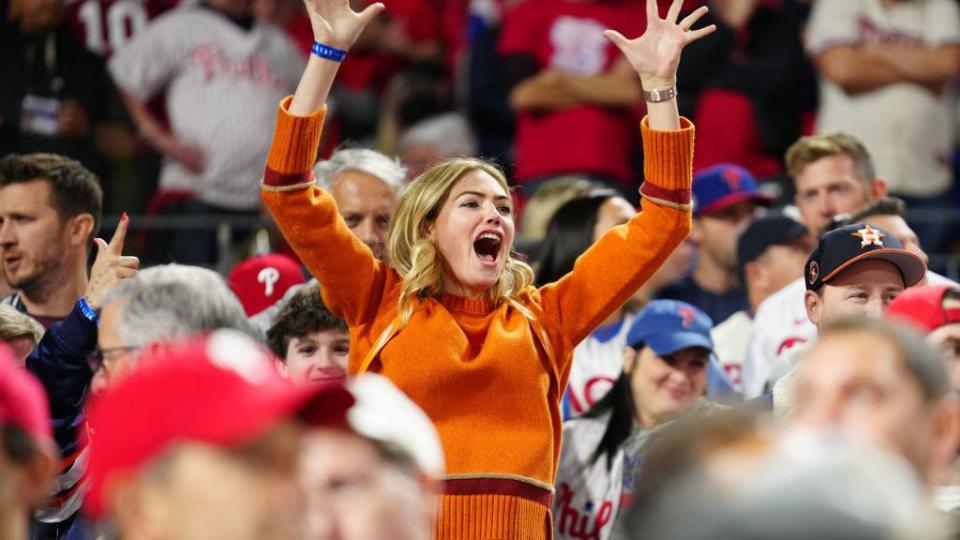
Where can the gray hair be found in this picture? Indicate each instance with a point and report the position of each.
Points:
(920, 359)
(449, 133)
(387, 170)
(175, 301)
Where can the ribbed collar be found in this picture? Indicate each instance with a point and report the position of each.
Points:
(468, 306)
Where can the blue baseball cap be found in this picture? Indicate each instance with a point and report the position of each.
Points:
(667, 326)
(844, 246)
(717, 187)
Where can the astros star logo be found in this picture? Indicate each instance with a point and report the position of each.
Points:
(868, 235)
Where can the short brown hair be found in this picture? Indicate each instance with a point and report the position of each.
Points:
(816, 147)
(305, 313)
(74, 190)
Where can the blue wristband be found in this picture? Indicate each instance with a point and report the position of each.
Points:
(328, 52)
(88, 312)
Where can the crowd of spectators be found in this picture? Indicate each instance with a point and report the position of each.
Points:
(232, 314)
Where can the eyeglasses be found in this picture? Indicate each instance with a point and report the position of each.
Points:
(102, 358)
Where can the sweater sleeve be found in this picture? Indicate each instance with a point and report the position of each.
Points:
(351, 278)
(608, 273)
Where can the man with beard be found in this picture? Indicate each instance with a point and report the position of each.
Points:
(49, 213)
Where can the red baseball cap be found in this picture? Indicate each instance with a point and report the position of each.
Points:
(923, 307)
(23, 403)
(259, 282)
(221, 389)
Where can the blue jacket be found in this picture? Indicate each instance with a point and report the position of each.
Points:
(60, 362)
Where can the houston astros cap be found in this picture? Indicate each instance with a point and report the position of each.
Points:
(717, 187)
(923, 308)
(667, 326)
(842, 247)
(221, 389)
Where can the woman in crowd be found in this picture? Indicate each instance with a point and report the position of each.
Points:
(664, 376)
(453, 319)
(577, 225)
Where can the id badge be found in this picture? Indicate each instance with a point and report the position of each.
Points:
(40, 115)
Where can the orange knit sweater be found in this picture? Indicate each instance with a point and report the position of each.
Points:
(490, 378)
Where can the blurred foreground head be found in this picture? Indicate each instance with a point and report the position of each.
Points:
(729, 475)
(202, 442)
(27, 451)
(879, 385)
(205, 440)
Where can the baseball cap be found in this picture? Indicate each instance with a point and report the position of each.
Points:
(221, 389)
(838, 249)
(667, 326)
(717, 187)
(383, 413)
(923, 308)
(259, 282)
(23, 402)
(774, 229)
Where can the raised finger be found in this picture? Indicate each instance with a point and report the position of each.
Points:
(370, 12)
(691, 19)
(652, 12)
(694, 35)
(120, 235)
(123, 272)
(674, 12)
(128, 261)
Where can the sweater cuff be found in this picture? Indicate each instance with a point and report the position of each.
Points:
(294, 149)
(668, 164)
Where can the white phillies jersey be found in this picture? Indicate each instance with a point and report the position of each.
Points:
(908, 128)
(223, 85)
(730, 340)
(781, 323)
(596, 365)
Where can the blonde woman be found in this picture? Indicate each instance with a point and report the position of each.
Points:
(453, 319)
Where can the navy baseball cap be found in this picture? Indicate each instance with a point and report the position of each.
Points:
(774, 229)
(717, 187)
(838, 249)
(667, 326)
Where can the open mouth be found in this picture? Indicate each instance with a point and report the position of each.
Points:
(487, 247)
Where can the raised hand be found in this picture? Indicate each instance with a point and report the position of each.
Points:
(655, 55)
(111, 266)
(336, 24)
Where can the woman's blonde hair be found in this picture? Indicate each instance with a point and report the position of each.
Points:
(414, 255)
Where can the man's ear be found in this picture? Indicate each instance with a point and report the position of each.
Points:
(946, 434)
(754, 272)
(814, 304)
(281, 368)
(878, 188)
(79, 229)
(696, 234)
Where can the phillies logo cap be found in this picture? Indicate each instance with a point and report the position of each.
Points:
(845, 246)
(667, 326)
(720, 186)
(260, 282)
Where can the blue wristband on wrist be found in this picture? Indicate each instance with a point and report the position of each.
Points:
(328, 52)
(88, 312)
